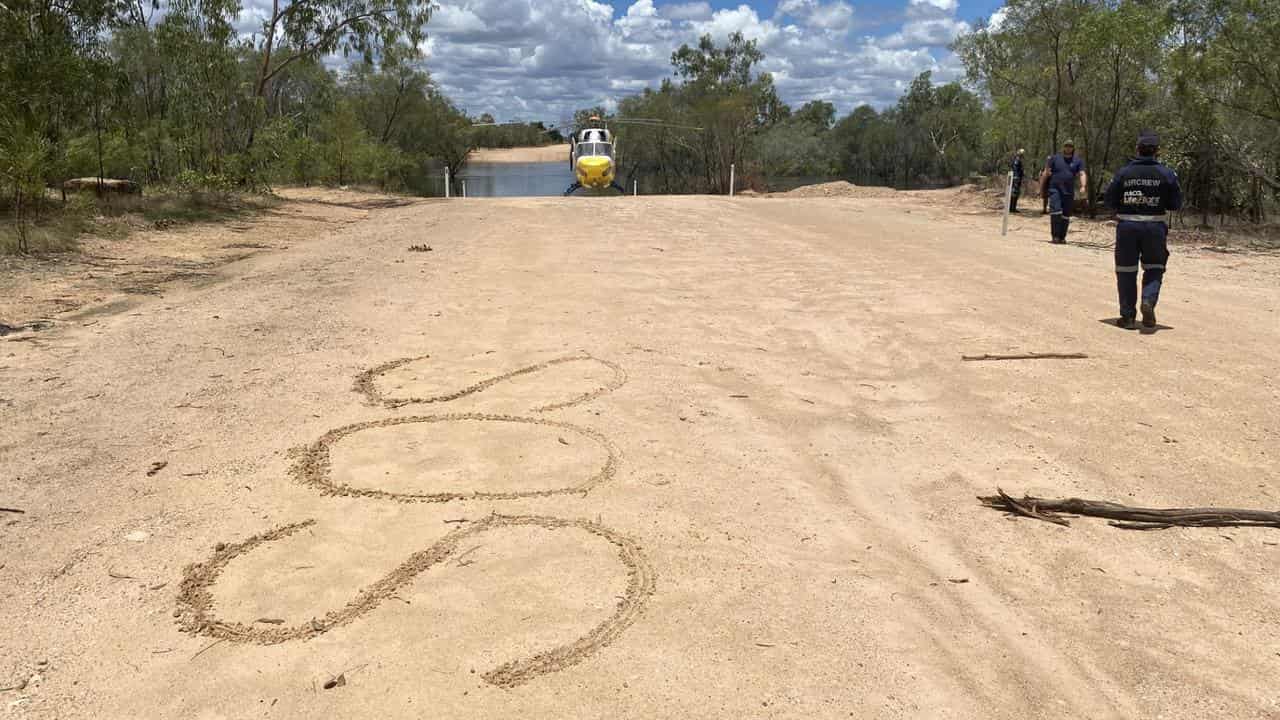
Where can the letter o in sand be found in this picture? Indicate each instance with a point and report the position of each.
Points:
(439, 458)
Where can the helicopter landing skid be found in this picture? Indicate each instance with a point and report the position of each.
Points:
(578, 186)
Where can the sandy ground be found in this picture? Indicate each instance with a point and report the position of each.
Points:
(558, 153)
(112, 275)
(697, 457)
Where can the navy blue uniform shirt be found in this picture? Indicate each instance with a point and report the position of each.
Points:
(1063, 172)
(1144, 188)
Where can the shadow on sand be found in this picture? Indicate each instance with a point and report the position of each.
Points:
(1115, 324)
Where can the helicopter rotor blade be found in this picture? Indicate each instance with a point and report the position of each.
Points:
(649, 122)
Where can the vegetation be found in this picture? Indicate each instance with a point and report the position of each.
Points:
(1098, 71)
(177, 99)
(724, 113)
(1095, 71)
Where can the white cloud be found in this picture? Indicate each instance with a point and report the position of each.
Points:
(743, 19)
(833, 16)
(997, 19)
(543, 59)
(937, 32)
(944, 5)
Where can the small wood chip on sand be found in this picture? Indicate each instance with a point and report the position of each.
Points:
(1026, 356)
(1127, 517)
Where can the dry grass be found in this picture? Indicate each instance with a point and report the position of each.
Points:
(60, 226)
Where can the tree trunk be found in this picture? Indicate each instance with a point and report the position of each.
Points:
(1057, 92)
(264, 71)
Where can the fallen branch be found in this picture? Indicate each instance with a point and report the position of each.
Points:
(1027, 356)
(1027, 507)
(13, 510)
(1130, 518)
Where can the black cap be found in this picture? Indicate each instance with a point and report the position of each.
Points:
(1149, 138)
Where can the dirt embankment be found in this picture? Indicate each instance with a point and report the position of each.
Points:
(39, 291)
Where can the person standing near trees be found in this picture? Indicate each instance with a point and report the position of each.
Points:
(1060, 174)
(1141, 193)
(1017, 180)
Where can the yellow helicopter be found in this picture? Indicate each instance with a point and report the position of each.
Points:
(591, 157)
(593, 152)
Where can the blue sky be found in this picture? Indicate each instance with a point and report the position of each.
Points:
(543, 59)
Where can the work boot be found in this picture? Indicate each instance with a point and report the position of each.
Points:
(1148, 315)
(1127, 322)
(1058, 241)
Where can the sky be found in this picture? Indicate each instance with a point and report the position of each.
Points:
(542, 59)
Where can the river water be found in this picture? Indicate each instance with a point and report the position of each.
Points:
(552, 179)
(514, 179)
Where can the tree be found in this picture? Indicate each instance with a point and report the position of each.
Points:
(818, 113)
(728, 99)
(310, 29)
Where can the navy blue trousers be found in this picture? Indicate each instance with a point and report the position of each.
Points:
(1061, 200)
(1140, 245)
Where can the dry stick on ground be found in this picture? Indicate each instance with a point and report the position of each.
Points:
(13, 510)
(1130, 518)
(1027, 356)
(206, 647)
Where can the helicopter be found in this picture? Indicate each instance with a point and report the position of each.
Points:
(591, 157)
(593, 151)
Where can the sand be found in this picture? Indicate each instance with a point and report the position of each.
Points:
(558, 153)
(697, 457)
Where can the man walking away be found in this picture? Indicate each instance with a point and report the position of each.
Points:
(1061, 171)
(1141, 193)
(1017, 180)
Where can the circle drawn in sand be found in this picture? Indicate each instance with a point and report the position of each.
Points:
(366, 383)
(195, 600)
(314, 468)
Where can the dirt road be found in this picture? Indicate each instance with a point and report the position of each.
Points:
(655, 457)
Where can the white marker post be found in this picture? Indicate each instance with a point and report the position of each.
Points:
(446, 183)
(635, 188)
(1008, 198)
(733, 171)
(464, 188)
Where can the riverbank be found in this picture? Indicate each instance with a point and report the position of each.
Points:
(558, 153)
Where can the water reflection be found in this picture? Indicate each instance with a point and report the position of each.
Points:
(515, 179)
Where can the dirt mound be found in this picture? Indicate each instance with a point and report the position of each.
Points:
(841, 188)
(970, 197)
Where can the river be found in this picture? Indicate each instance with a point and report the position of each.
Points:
(514, 179)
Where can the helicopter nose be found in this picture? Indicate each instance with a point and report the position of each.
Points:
(595, 171)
